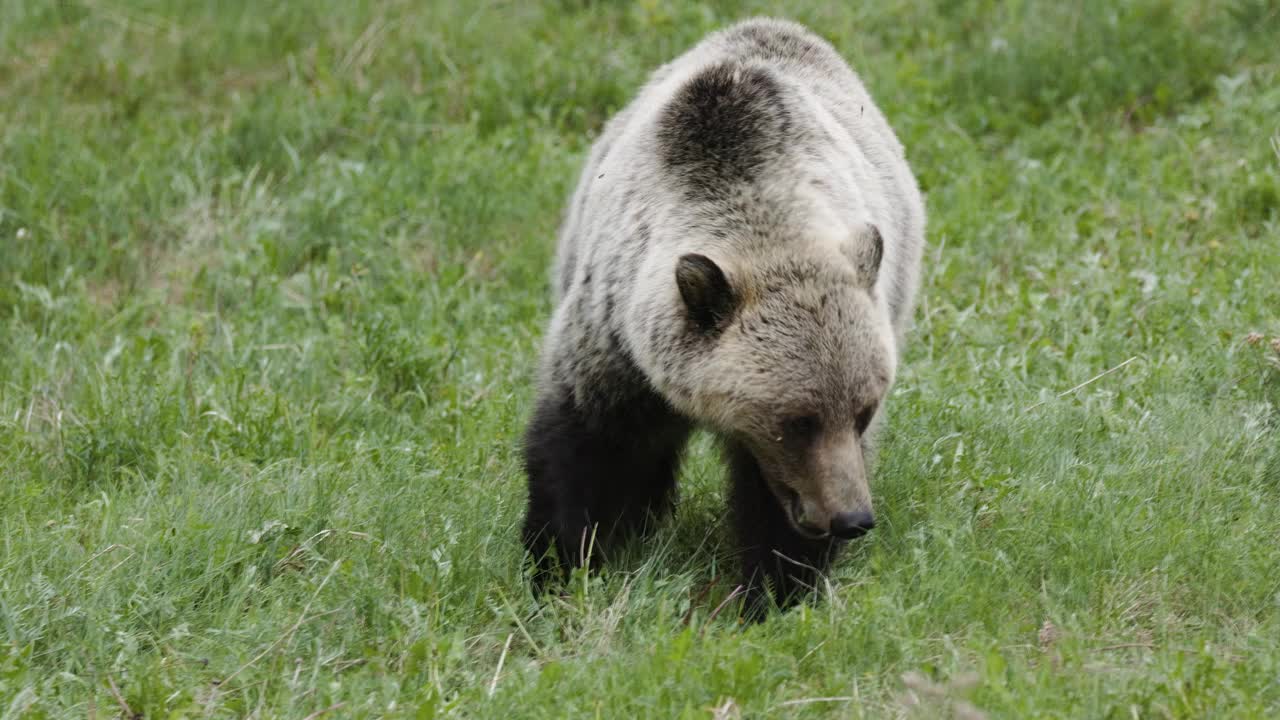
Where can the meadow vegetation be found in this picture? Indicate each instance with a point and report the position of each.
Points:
(272, 281)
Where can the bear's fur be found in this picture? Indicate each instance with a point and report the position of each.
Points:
(741, 254)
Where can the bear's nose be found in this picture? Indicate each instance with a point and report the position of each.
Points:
(850, 525)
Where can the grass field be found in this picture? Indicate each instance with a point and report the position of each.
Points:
(272, 281)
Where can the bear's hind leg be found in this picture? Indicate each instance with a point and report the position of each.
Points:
(596, 477)
(774, 556)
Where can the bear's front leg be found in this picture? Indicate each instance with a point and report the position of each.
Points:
(597, 474)
(774, 556)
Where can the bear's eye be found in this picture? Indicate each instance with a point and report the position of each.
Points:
(801, 429)
(863, 419)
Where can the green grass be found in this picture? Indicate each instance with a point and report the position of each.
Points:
(272, 279)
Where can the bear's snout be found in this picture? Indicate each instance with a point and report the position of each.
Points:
(809, 520)
(850, 525)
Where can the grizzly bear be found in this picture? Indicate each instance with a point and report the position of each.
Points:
(741, 255)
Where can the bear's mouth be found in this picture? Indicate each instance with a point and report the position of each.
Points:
(792, 508)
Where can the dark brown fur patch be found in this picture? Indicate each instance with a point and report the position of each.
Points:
(722, 127)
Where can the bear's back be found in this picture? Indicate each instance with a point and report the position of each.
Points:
(761, 101)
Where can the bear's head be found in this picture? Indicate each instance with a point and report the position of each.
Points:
(790, 359)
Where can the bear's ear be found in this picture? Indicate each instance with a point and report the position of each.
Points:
(705, 290)
(866, 250)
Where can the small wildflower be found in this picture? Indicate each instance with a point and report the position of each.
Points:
(1049, 634)
(728, 710)
(1214, 244)
(23, 233)
(966, 711)
(1254, 338)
